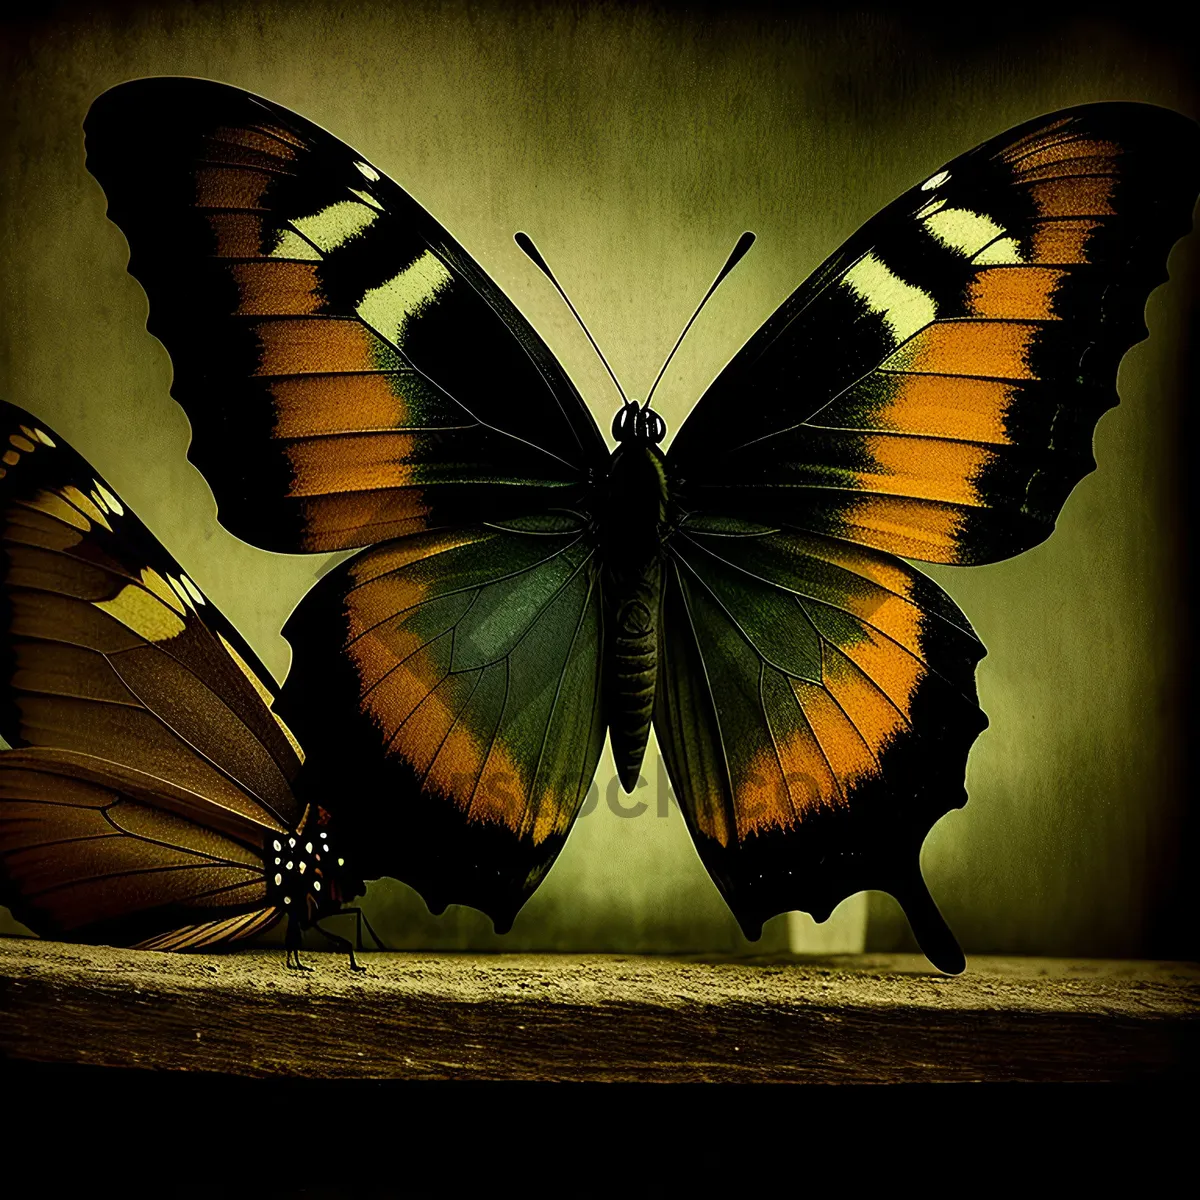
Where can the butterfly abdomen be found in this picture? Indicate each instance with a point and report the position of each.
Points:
(631, 548)
(631, 671)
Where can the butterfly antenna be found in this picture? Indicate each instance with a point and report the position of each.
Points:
(735, 256)
(526, 243)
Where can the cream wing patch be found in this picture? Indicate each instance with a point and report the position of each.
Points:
(1003, 252)
(263, 694)
(335, 225)
(388, 308)
(291, 245)
(143, 612)
(963, 231)
(113, 504)
(903, 306)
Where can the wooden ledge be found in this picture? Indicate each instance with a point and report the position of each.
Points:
(852, 1019)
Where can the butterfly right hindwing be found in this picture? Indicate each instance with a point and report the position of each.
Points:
(931, 391)
(815, 706)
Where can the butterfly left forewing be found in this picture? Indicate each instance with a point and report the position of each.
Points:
(448, 685)
(816, 703)
(350, 373)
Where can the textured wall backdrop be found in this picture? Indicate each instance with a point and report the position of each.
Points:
(635, 143)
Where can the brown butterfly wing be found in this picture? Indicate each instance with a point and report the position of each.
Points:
(87, 854)
(137, 701)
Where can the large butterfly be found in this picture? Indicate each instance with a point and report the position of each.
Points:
(148, 798)
(354, 380)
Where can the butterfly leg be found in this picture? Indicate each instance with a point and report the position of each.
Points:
(341, 944)
(380, 944)
(360, 921)
(292, 943)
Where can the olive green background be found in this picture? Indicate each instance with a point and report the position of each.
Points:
(635, 143)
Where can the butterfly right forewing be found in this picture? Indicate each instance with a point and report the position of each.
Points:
(932, 389)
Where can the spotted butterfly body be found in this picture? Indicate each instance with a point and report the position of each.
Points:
(355, 381)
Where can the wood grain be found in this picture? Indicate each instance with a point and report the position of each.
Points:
(852, 1019)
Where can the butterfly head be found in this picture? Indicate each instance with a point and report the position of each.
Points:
(636, 422)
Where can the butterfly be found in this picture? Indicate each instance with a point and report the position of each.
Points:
(355, 381)
(148, 798)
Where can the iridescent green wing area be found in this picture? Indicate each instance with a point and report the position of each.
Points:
(933, 388)
(816, 703)
(458, 673)
(350, 373)
(149, 765)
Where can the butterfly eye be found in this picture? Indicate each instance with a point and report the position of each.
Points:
(658, 428)
(625, 423)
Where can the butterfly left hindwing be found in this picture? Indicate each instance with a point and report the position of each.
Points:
(462, 672)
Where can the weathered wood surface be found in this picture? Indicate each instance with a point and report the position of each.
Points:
(854, 1019)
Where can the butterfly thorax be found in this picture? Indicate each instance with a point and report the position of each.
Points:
(634, 513)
